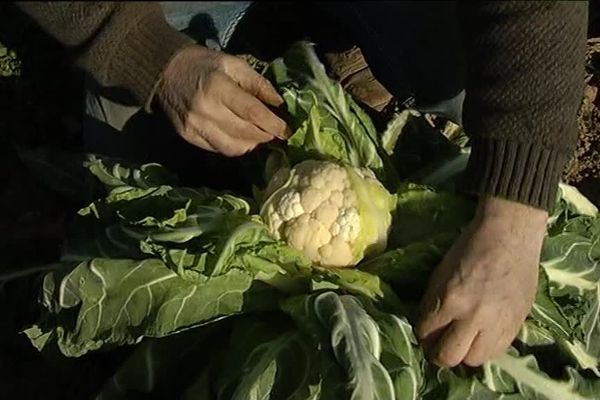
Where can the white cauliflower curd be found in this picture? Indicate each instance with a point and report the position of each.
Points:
(335, 214)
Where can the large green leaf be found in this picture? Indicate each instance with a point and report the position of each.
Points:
(533, 334)
(586, 351)
(106, 302)
(571, 262)
(114, 173)
(353, 337)
(407, 268)
(582, 358)
(422, 213)
(282, 368)
(328, 123)
(548, 313)
(590, 388)
(591, 325)
(401, 355)
(575, 202)
(457, 387)
(194, 231)
(525, 373)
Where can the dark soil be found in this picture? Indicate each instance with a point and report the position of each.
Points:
(584, 170)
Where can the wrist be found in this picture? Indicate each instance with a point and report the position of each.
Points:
(176, 67)
(140, 60)
(492, 208)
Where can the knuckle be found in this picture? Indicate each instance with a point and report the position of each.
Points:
(209, 89)
(188, 129)
(206, 105)
(453, 299)
(262, 83)
(201, 106)
(230, 59)
(230, 64)
(210, 110)
(215, 59)
(264, 87)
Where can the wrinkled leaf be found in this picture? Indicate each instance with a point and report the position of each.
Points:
(119, 302)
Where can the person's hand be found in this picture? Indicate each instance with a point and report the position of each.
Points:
(479, 296)
(216, 102)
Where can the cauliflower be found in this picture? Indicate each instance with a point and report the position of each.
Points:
(335, 214)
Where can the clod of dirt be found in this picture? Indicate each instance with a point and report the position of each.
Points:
(584, 170)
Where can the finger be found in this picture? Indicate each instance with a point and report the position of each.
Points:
(455, 343)
(228, 122)
(487, 345)
(433, 317)
(219, 140)
(233, 125)
(191, 137)
(479, 350)
(253, 82)
(250, 109)
(428, 343)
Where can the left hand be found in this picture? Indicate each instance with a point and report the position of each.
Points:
(481, 293)
(218, 103)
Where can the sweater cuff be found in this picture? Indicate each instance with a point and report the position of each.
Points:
(526, 173)
(142, 58)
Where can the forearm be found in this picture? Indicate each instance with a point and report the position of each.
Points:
(524, 86)
(121, 44)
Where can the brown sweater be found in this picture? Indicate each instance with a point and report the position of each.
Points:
(524, 84)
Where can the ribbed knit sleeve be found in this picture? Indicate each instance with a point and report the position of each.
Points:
(524, 86)
(121, 44)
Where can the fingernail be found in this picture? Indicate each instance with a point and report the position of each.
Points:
(279, 101)
(285, 135)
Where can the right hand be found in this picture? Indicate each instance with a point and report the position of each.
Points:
(216, 102)
(480, 295)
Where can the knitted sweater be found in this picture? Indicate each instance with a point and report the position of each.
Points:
(524, 81)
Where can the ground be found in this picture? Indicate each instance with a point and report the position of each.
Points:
(584, 170)
(40, 105)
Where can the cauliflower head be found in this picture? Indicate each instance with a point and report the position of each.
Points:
(335, 214)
